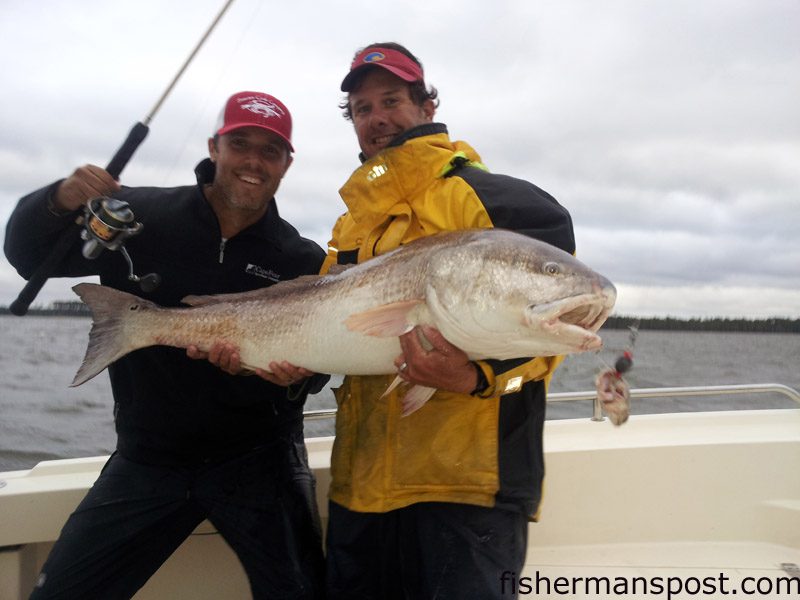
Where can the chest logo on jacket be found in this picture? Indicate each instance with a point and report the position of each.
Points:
(376, 172)
(262, 272)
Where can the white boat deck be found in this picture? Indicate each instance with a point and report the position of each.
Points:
(686, 568)
(692, 502)
(689, 500)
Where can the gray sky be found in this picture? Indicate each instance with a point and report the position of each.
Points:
(670, 129)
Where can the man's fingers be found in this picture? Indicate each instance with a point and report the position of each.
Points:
(193, 352)
(213, 354)
(434, 337)
(98, 179)
(267, 376)
(410, 344)
(78, 189)
(227, 357)
(285, 373)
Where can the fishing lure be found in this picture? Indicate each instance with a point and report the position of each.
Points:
(613, 391)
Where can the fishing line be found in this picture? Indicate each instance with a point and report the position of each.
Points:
(201, 114)
(624, 360)
(196, 49)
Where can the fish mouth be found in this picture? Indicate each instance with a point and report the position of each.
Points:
(590, 315)
(575, 319)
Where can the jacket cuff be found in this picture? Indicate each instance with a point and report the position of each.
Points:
(511, 380)
(486, 380)
(309, 385)
(50, 202)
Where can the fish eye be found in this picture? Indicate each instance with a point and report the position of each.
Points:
(551, 268)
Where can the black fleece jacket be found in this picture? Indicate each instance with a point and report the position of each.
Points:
(170, 409)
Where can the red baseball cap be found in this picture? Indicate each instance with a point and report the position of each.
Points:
(255, 109)
(392, 60)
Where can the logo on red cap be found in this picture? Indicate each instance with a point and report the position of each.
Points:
(374, 57)
(263, 107)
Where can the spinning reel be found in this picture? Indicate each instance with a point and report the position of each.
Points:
(107, 224)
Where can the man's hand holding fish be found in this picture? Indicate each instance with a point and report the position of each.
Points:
(225, 355)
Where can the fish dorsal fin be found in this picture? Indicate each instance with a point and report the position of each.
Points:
(220, 298)
(273, 291)
(388, 320)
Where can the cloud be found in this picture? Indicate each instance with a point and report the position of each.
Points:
(669, 129)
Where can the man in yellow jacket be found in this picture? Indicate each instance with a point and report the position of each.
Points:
(436, 504)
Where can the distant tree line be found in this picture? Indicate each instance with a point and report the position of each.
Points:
(65, 308)
(772, 325)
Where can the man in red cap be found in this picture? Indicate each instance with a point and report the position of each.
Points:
(193, 442)
(436, 504)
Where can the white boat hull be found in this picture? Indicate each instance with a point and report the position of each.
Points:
(676, 495)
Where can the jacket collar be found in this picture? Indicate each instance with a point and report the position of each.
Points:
(388, 184)
(409, 134)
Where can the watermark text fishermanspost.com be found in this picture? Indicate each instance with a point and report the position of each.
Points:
(540, 584)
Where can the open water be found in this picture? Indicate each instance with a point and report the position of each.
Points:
(41, 418)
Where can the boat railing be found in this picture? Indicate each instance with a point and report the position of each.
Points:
(639, 393)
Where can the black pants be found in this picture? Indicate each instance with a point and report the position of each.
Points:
(135, 516)
(424, 551)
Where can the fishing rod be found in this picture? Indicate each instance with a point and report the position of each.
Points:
(106, 222)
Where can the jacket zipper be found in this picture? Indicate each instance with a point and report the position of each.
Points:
(222, 250)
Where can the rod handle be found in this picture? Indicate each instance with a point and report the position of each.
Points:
(135, 137)
(34, 285)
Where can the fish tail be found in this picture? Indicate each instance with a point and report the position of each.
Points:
(107, 339)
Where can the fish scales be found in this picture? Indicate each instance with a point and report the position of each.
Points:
(493, 293)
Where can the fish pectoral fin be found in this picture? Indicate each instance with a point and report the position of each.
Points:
(397, 381)
(388, 320)
(415, 398)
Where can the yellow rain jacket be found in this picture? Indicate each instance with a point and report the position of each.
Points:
(483, 450)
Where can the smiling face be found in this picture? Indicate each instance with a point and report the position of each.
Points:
(382, 108)
(250, 163)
